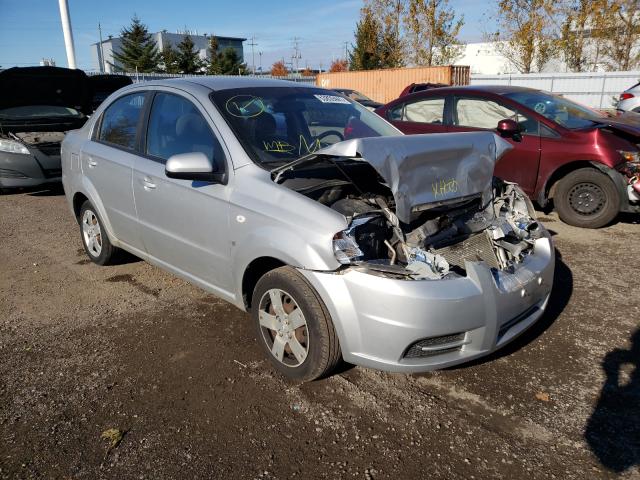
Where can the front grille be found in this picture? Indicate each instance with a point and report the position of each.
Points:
(514, 321)
(11, 173)
(50, 149)
(475, 248)
(429, 347)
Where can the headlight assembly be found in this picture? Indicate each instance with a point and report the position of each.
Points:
(632, 157)
(11, 146)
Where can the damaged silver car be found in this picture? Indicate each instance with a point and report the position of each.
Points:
(344, 238)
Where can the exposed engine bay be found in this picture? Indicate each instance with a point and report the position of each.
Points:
(433, 240)
(47, 142)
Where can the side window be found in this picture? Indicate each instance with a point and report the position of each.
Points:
(120, 121)
(427, 110)
(176, 126)
(481, 113)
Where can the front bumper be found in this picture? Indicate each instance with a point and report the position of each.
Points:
(33, 170)
(379, 319)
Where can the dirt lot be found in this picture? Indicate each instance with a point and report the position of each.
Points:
(85, 349)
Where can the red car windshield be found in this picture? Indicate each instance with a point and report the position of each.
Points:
(558, 109)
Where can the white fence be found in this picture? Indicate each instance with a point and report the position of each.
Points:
(597, 90)
(141, 77)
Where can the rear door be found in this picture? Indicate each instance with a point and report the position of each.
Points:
(421, 115)
(184, 224)
(520, 165)
(107, 161)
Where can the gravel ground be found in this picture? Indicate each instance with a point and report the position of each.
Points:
(173, 377)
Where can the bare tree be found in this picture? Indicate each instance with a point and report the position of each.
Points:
(526, 34)
(432, 32)
(622, 25)
(388, 13)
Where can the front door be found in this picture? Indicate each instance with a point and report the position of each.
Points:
(184, 224)
(519, 165)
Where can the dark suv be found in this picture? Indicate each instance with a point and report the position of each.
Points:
(585, 161)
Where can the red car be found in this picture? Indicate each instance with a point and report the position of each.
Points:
(586, 162)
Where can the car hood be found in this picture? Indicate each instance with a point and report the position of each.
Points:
(627, 127)
(424, 170)
(28, 86)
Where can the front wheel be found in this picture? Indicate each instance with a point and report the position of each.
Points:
(587, 198)
(293, 326)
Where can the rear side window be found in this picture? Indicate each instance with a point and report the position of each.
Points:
(177, 126)
(120, 121)
(426, 110)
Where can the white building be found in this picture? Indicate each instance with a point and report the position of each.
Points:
(104, 54)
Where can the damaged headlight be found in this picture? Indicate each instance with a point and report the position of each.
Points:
(11, 146)
(345, 248)
(632, 157)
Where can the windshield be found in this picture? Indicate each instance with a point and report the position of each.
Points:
(560, 110)
(277, 125)
(39, 111)
(357, 96)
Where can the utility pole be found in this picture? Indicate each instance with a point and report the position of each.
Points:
(346, 51)
(68, 34)
(296, 52)
(101, 51)
(253, 55)
(260, 55)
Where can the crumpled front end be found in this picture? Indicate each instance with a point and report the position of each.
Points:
(452, 274)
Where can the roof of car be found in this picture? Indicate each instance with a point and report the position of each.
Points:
(497, 89)
(228, 82)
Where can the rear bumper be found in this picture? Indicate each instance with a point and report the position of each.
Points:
(379, 320)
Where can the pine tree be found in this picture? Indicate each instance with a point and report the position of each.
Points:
(168, 58)
(230, 64)
(138, 51)
(213, 64)
(187, 59)
(365, 54)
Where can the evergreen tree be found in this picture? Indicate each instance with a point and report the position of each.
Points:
(138, 50)
(213, 64)
(365, 54)
(187, 59)
(169, 58)
(230, 64)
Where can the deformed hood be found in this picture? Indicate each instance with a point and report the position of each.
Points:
(428, 169)
(28, 86)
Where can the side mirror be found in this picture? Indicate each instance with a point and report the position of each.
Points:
(193, 166)
(509, 128)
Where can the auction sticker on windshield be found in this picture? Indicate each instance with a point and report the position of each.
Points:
(332, 99)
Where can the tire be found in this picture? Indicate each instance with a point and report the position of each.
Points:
(94, 237)
(311, 331)
(587, 198)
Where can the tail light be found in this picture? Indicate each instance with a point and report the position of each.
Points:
(626, 96)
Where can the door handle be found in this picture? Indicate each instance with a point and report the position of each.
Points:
(148, 184)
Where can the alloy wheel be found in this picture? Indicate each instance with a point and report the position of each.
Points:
(91, 233)
(284, 328)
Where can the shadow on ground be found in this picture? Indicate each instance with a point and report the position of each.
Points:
(613, 430)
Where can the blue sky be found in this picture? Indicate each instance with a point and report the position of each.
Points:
(30, 29)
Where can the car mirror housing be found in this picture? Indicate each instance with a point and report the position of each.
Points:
(509, 128)
(193, 166)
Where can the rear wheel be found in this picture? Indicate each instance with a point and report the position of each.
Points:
(293, 326)
(94, 237)
(587, 198)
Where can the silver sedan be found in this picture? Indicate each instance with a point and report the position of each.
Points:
(344, 238)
